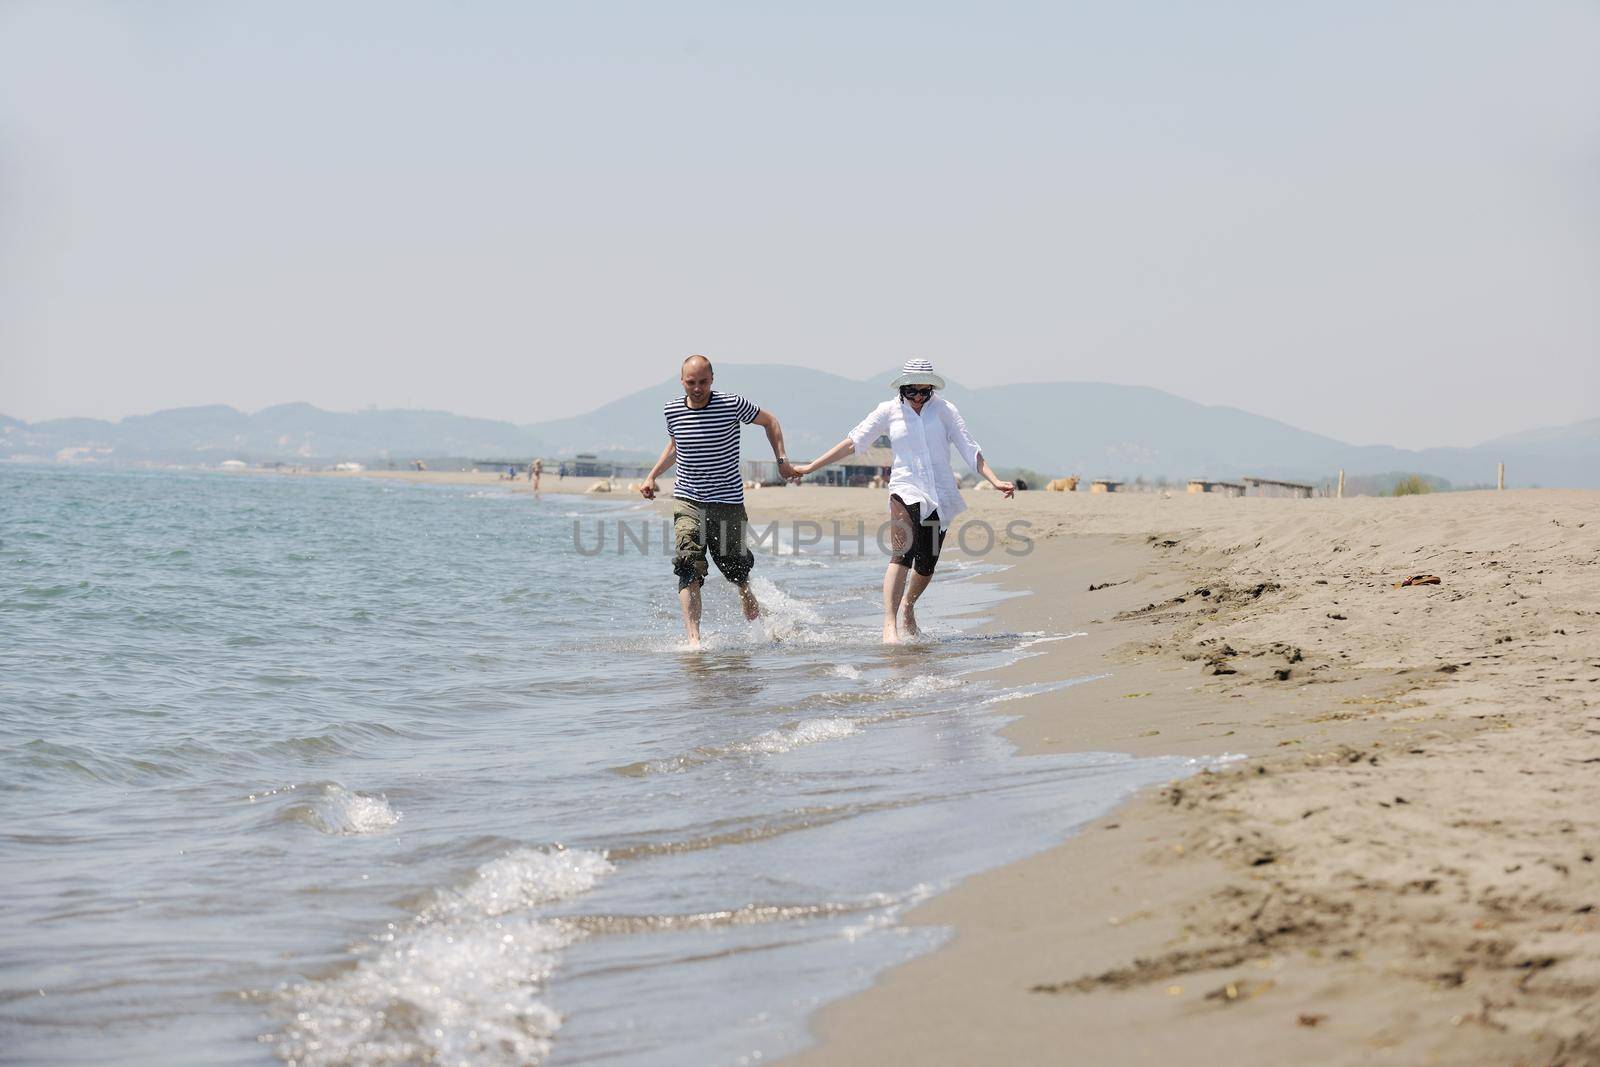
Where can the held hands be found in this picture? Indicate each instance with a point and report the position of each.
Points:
(789, 472)
(648, 489)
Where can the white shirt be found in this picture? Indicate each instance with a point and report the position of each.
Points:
(921, 443)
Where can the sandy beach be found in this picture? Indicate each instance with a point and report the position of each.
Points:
(1401, 870)
(1397, 867)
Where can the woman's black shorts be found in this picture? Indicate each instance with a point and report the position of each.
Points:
(916, 540)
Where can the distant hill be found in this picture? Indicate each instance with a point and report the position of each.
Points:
(1092, 429)
(287, 432)
(1087, 428)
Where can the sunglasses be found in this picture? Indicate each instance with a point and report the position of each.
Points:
(924, 391)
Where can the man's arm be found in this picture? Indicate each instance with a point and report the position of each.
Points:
(769, 422)
(668, 454)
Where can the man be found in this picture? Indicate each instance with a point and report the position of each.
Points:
(703, 439)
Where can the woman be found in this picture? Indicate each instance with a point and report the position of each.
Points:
(923, 497)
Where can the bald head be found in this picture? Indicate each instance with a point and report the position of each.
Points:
(696, 377)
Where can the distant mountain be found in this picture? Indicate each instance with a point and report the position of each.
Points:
(287, 433)
(1581, 435)
(1087, 428)
(1092, 429)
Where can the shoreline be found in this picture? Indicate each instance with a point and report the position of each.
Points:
(1402, 870)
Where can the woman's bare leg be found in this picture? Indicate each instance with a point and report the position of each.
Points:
(918, 583)
(894, 587)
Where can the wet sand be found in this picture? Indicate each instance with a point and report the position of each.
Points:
(1403, 869)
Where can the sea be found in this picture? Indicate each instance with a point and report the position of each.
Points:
(354, 771)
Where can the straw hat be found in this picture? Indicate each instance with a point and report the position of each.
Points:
(917, 372)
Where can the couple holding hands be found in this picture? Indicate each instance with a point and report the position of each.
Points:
(703, 439)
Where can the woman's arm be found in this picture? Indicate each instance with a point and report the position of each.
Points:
(956, 430)
(832, 455)
(988, 472)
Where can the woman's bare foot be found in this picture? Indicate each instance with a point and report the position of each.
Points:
(890, 637)
(909, 624)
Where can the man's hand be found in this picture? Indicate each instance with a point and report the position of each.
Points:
(648, 489)
(1008, 488)
(789, 471)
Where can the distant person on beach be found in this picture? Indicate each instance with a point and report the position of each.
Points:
(923, 497)
(703, 439)
(536, 473)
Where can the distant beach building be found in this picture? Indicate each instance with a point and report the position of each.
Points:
(1104, 485)
(349, 468)
(1273, 487)
(1201, 485)
(233, 464)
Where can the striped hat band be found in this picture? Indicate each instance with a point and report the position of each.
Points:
(917, 372)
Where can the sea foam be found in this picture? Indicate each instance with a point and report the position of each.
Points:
(460, 984)
(341, 811)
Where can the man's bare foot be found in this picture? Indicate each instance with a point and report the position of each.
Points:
(909, 625)
(752, 609)
(692, 644)
(890, 637)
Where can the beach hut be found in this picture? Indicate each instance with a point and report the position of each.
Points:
(1105, 485)
(1273, 487)
(1202, 485)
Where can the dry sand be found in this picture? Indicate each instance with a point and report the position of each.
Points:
(1403, 870)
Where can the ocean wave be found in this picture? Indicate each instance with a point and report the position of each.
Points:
(925, 685)
(798, 735)
(345, 813)
(445, 994)
(522, 879)
(785, 738)
(461, 984)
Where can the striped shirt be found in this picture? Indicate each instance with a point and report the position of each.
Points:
(708, 447)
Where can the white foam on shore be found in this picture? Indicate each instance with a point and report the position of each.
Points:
(1021, 692)
(925, 685)
(798, 735)
(459, 985)
(522, 879)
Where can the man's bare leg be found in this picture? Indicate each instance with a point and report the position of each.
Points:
(747, 600)
(689, 600)
(914, 589)
(894, 587)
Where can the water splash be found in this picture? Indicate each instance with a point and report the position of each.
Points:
(458, 985)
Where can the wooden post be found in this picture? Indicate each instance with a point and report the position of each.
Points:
(1341, 485)
(1500, 482)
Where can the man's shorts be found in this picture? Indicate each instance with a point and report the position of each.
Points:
(717, 527)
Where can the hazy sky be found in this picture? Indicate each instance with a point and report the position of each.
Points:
(1379, 221)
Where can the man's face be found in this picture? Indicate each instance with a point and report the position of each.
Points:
(697, 382)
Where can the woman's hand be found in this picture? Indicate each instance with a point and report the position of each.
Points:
(801, 470)
(1007, 488)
